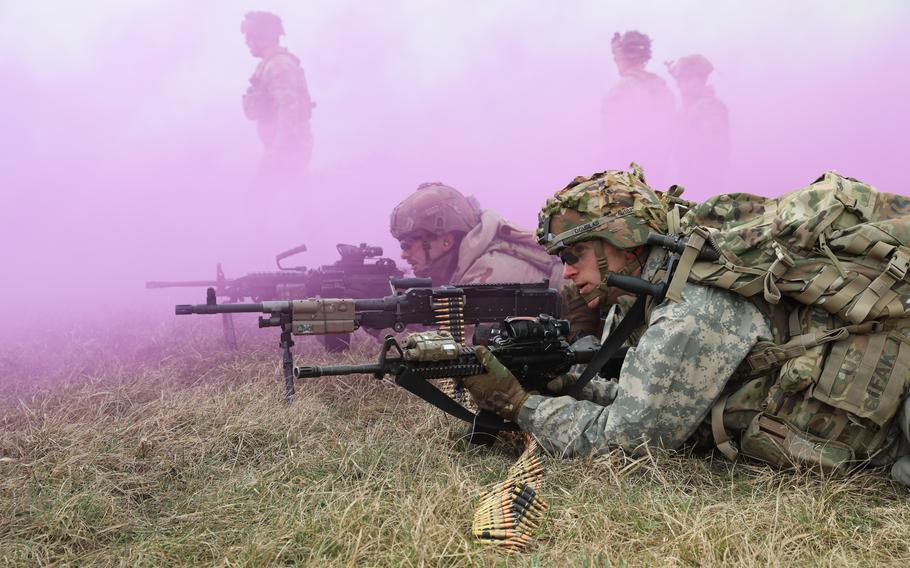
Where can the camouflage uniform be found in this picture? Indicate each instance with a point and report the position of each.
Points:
(668, 383)
(687, 372)
(279, 101)
(638, 112)
(678, 365)
(702, 147)
(676, 368)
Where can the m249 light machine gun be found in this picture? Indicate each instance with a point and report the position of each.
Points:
(359, 273)
(449, 308)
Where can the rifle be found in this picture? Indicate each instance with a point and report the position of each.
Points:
(449, 308)
(350, 277)
(534, 349)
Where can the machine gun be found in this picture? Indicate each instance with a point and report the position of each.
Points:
(350, 277)
(534, 349)
(449, 308)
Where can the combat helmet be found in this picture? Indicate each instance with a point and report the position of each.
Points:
(695, 66)
(613, 206)
(632, 46)
(262, 24)
(435, 208)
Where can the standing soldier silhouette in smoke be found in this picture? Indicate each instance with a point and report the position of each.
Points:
(702, 152)
(278, 100)
(638, 111)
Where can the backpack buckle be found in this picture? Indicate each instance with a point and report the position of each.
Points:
(898, 265)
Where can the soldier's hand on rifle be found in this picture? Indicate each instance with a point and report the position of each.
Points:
(497, 390)
(564, 381)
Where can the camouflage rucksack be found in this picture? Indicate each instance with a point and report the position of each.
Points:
(833, 260)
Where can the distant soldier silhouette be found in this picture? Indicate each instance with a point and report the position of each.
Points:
(278, 100)
(702, 151)
(638, 111)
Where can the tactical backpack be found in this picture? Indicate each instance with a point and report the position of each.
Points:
(829, 264)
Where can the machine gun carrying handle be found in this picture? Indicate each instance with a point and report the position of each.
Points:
(405, 283)
(290, 252)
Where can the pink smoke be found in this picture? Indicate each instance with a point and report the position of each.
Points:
(125, 157)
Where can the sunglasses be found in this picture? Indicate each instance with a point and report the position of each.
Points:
(571, 255)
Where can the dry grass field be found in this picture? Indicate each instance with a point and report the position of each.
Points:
(151, 445)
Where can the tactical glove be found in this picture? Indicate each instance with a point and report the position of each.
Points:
(562, 382)
(497, 390)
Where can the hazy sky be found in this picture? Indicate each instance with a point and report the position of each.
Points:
(124, 155)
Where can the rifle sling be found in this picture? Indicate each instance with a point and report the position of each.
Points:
(428, 392)
(633, 320)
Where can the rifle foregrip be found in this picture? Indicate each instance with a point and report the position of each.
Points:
(448, 371)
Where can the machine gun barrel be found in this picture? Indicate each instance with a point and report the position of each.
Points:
(181, 284)
(208, 309)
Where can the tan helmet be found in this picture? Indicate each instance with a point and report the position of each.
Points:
(435, 208)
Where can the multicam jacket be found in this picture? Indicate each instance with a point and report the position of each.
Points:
(637, 115)
(702, 143)
(279, 101)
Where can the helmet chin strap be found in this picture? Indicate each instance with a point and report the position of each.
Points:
(600, 291)
(442, 268)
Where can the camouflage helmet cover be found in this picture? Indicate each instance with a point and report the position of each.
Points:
(616, 206)
(435, 208)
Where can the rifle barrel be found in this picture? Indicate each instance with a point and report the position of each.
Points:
(313, 371)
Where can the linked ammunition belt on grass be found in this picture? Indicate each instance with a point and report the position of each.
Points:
(510, 512)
